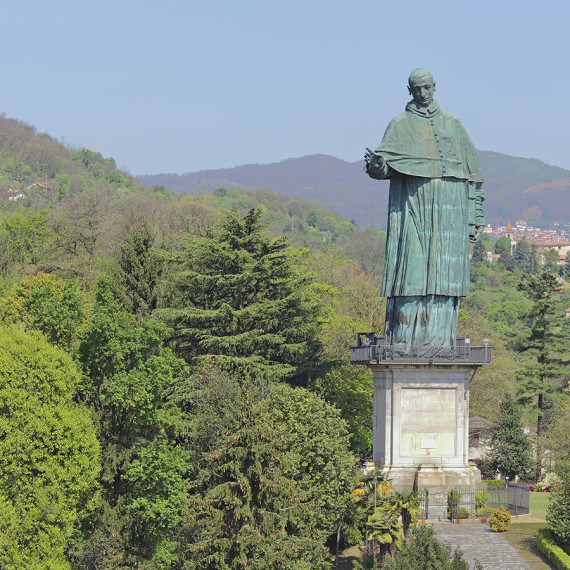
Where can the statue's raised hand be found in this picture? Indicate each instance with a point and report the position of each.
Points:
(373, 159)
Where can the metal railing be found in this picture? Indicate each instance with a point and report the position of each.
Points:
(477, 503)
(380, 352)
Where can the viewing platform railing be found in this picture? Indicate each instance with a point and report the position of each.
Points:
(380, 352)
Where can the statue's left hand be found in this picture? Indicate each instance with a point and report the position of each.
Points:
(478, 232)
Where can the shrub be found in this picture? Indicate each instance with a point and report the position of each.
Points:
(483, 512)
(482, 499)
(549, 548)
(425, 551)
(453, 498)
(494, 484)
(558, 511)
(551, 479)
(463, 514)
(500, 519)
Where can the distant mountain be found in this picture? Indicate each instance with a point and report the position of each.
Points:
(516, 187)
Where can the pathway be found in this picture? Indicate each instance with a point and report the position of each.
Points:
(479, 543)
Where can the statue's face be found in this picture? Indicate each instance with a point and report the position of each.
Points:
(421, 89)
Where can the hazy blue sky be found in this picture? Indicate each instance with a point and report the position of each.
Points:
(179, 86)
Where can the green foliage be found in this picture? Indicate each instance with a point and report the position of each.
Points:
(479, 254)
(558, 511)
(543, 349)
(482, 498)
(500, 519)
(56, 307)
(511, 452)
(463, 513)
(274, 476)
(494, 484)
(426, 552)
(350, 389)
(453, 499)
(127, 374)
(524, 257)
(48, 453)
(547, 545)
(240, 300)
(138, 270)
(21, 238)
(558, 441)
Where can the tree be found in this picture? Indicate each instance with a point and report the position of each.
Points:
(558, 511)
(48, 453)
(350, 389)
(274, 475)
(21, 239)
(240, 299)
(127, 375)
(511, 452)
(524, 256)
(54, 306)
(503, 245)
(426, 552)
(543, 346)
(558, 441)
(567, 267)
(503, 248)
(479, 252)
(551, 261)
(138, 271)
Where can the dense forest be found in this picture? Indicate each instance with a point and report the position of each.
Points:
(174, 381)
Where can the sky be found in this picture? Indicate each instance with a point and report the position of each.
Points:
(180, 86)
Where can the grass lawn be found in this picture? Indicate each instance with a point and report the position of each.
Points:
(522, 537)
(538, 504)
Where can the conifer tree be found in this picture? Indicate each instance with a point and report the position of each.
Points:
(544, 344)
(135, 280)
(479, 252)
(524, 257)
(510, 446)
(240, 300)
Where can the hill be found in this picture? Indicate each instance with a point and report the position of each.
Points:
(516, 187)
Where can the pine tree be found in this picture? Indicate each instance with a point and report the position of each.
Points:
(524, 257)
(240, 300)
(135, 280)
(479, 252)
(510, 446)
(543, 344)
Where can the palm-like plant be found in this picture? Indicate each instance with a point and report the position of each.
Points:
(384, 528)
(408, 504)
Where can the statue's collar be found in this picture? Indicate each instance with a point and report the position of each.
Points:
(426, 112)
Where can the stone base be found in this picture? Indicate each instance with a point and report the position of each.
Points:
(435, 481)
(421, 430)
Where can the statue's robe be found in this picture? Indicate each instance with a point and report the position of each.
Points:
(434, 206)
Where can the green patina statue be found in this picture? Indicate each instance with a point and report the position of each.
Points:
(434, 212)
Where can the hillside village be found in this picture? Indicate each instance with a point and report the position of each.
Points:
(557, 239)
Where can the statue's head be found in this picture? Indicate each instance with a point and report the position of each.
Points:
(421, 86)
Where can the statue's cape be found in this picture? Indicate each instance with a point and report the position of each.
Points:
(430, 143)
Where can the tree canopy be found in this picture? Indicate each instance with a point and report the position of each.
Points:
(240, 299)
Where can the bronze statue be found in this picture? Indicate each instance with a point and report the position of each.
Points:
(434, 212)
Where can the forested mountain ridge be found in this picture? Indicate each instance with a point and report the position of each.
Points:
(516, 187)
(47, 171)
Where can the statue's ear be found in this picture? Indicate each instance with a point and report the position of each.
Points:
(410, 89)
(434, 85)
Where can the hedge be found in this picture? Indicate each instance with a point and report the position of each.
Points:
(553, 552)
(494, 484)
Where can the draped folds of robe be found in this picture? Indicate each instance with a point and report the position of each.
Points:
(434, 205)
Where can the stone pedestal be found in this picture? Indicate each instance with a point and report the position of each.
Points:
(421, 429)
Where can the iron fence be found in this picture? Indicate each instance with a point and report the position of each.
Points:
(465, 503)
(379, 351)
